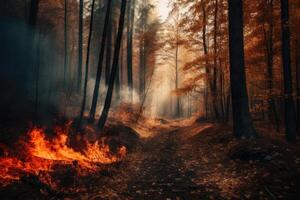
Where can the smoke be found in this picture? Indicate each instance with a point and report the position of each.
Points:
(31, 73)
(124, 96)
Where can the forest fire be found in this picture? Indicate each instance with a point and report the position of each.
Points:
(41, 154)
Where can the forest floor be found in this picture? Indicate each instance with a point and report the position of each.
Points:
(179, 160)
(204, 161)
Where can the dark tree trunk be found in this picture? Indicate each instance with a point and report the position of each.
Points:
(177, 77)
(177, 71)
(100, 62)
(34, 7)
(80, 45)
(130, 26)
(272, 112)
(143, 51)
(298, 82)
(118, 86)
(87, 65)
(205, 49)
(214, 78)
(65, 43)
(108, 52)
(242, 121)
(290, 118)
(114, 69)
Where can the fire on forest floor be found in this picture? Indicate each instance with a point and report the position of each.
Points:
(42, 157)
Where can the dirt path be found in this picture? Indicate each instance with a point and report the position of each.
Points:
(161, 174)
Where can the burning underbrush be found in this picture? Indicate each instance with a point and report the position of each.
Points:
(46, 158)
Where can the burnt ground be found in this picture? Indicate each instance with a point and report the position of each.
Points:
(196, 161)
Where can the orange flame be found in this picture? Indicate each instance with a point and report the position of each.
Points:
(43, 153)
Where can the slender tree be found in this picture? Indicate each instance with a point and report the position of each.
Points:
(115, 65)
(242, 121)
(80, 45)
(214, 86)
(177, 70)
(268, 37)
(100, 62)
(65, 41)
(144, 15)
(298, 81)
(118, 83)
(87, 65)
(205, 49)
(290, 118)
(108, 48)
(130, 26)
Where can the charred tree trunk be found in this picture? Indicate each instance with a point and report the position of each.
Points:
(117, 85)
(108, 52)
(298, 82)
(80, 46)
(130, 26)
(242, 121)
(100, 62)
(65, 42)
(114, 69)
(87, 65)
(290, 118)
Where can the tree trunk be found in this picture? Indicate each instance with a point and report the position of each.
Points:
(143, 53)
(290, 118)
(118, 86)
(242, 121)
(65, 42)
(214, 88)
(205, 49)
(272, 112)
(141, 74)
(34, 7)
(87, 65)
(177, 73)
(100, 62)
(80, 45)
(130, 26)
(114, 69)
(298, 81)
(108, 52)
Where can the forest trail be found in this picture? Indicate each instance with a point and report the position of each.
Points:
(162, 175)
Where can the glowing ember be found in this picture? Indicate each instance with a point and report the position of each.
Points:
(41, 154)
